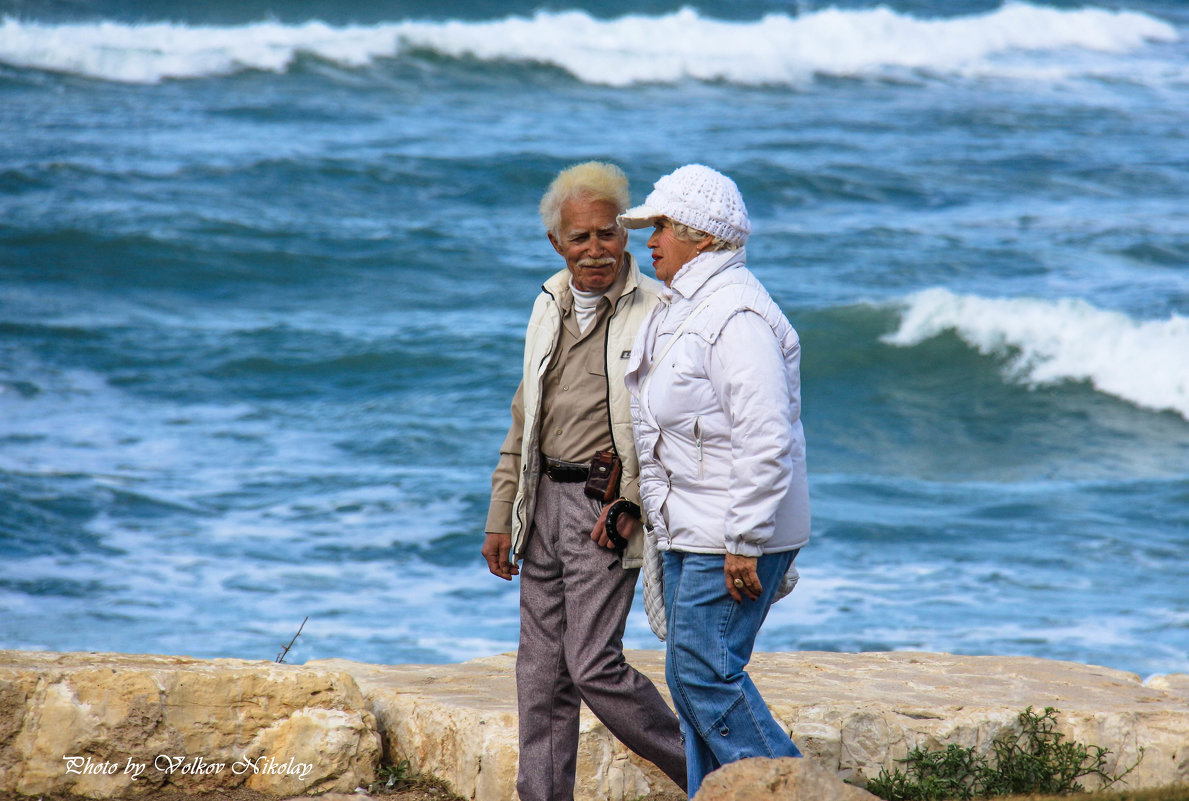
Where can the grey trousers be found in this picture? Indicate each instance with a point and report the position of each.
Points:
(574, 602)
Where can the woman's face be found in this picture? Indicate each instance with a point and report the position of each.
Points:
(669, 254)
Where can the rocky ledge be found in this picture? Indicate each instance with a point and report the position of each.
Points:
(116, 726)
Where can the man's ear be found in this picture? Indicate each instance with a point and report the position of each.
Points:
(553, 241)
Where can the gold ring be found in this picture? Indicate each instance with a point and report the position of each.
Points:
(738, 582)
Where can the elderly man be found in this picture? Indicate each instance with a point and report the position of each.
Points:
(571, 405)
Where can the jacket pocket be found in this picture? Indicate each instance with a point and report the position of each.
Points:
(698, 447)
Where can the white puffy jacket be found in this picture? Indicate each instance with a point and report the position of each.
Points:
(718, 425)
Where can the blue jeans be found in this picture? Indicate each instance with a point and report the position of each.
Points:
(710, 639)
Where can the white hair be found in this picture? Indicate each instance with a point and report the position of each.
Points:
(591, 180)
(688, 233)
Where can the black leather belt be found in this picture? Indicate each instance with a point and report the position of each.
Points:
(565, 472)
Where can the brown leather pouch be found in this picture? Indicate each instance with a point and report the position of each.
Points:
(603, 482)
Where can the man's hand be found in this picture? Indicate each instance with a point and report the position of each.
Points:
(627, 527)
(497, 550)
(742, 569)
(599, 532)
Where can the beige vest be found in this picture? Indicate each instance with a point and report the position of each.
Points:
(633, 306)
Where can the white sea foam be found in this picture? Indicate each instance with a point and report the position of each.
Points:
(1017, 40)
(1145, 362)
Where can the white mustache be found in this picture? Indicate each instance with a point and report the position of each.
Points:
(606, 261)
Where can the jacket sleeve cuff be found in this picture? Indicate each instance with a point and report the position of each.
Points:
(740, 547)
(499, 517)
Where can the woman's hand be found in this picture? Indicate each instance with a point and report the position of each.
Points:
(742, 578)
(628, 526)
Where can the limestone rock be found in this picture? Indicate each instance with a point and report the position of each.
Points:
(784, 779)
(852, 714)
(1175, 684)
(858, 713)
(458, 722)
(113, 725)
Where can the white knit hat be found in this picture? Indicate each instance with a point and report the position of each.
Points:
(699, 197)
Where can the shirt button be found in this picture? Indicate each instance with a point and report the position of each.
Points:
(559, 432)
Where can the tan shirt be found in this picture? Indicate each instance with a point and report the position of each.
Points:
(575, 421)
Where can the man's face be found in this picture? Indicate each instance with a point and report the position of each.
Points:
(591, 242)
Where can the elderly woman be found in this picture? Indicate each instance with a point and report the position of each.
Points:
(715, 383)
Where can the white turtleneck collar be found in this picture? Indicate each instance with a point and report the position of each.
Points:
(586, 306)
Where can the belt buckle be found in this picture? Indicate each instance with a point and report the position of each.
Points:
(564, 472)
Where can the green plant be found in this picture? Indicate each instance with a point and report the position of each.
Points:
(393, 777)
(931, 776)
(400, 777)
(1036, 760)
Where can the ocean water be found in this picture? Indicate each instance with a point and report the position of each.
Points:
(265, 268)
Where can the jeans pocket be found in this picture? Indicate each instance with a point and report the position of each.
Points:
(736, 735)
(722, 726)
(740, 733)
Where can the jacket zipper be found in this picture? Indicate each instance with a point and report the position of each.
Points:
(607, 364)
(519, 509)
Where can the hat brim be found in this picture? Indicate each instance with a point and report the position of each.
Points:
(639, 217)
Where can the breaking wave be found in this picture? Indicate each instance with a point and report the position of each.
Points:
(1145, 362)
(1016, 41)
